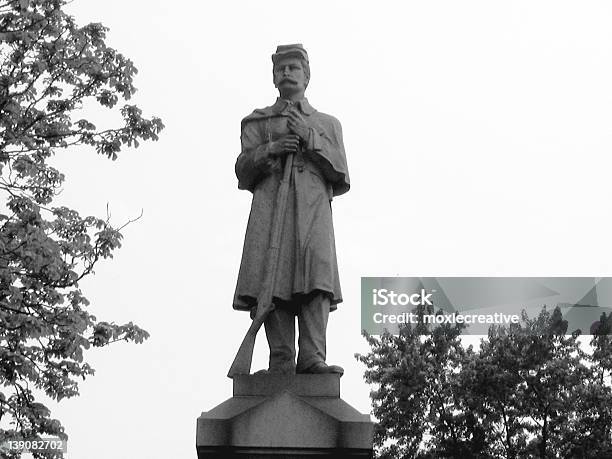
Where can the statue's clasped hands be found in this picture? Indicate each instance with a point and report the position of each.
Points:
(291, 142)
(297, 124)
(284, 145)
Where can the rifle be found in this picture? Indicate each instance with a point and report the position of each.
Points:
(244, 356)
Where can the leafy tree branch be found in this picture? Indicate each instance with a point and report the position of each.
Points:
(50, 69)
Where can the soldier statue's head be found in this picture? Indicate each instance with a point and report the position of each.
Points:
(291, 70)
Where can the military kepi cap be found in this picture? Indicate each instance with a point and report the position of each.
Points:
(295, 50)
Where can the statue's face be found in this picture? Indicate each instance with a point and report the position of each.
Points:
(290, 76)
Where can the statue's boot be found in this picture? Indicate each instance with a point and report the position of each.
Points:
(277, 370)
(323, 368)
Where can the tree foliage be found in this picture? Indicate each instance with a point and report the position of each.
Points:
(530, 390)
(52, 71)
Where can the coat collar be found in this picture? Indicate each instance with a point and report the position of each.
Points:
(303, 105)
(277, 109)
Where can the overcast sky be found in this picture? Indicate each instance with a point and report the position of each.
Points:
(478, 136)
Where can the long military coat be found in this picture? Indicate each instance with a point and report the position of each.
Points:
(307, 251)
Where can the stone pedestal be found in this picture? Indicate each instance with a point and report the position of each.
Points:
(276, 416)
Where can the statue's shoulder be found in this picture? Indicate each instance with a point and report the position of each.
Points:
(326, 119)
(258, 114)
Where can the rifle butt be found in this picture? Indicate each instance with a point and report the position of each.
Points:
(244, 356)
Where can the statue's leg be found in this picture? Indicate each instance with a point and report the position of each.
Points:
(280, 332)
(312, 323)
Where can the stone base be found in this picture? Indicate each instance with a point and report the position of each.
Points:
(294, 416)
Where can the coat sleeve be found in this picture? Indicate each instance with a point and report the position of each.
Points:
(327, 151)
(254, 161)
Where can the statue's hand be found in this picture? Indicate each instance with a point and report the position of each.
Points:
(284, 145)
(298, 125)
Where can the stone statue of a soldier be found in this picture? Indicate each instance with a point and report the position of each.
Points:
(307, 284)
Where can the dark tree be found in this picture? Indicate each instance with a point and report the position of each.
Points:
(592, 427)
(52, 74)
(530, 390)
